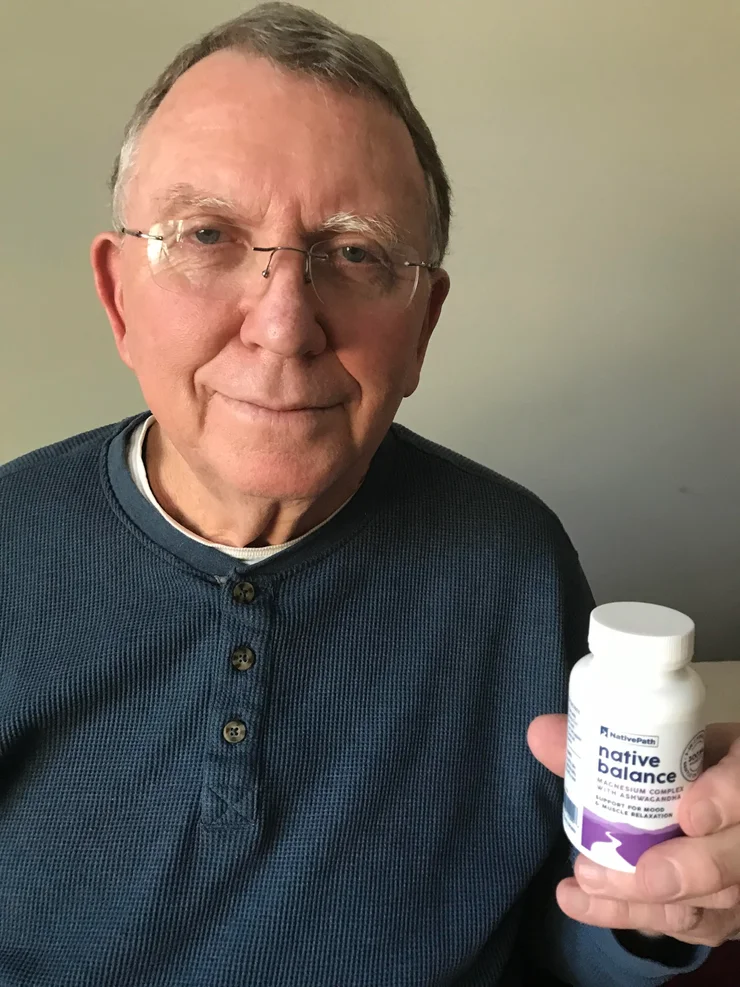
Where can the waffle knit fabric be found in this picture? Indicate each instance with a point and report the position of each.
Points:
(311, 772)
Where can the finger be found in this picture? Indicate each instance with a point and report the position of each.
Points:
(608, 883)
(704, 864)
(714, 928)
(547, 740)
(613, 913)
(729, 898)
(680, 869)
(680, 920)
(712, 802)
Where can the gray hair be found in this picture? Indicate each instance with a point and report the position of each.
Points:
(305, 42)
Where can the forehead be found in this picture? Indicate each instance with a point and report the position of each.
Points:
(287, 148)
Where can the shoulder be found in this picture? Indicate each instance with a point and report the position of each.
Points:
(505, 548)
(48, 469)
(468, 491)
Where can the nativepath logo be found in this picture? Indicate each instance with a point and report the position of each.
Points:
(628, 738)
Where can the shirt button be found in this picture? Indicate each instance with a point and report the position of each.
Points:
(235, 731)
(243, 593)
(243, 659)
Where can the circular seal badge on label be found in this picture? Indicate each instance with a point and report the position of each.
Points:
(693, 757)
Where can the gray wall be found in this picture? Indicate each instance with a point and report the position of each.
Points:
(591, 346)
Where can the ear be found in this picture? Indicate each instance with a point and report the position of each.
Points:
(105, 257)
(439, 291)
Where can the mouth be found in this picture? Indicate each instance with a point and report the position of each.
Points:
(274, 411)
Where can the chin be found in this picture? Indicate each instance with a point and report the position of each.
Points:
(275, 474)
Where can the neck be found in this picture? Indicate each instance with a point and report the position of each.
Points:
(233, 518)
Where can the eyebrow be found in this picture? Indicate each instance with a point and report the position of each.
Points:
(186, 196)
(385, 228)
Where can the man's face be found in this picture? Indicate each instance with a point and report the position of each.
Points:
(268, 392)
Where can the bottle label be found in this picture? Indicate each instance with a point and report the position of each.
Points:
(623, 784)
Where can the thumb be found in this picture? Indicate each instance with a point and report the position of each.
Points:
(547, 740)
(717, 786)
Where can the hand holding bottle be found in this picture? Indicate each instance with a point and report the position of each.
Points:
(688, 887)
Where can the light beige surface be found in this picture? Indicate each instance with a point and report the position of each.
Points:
(722, 679)
(591, 346)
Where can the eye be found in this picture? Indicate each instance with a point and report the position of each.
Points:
(208, 235)
(355, 255)
(202, 231)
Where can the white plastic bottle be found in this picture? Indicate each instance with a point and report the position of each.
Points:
(635, 732)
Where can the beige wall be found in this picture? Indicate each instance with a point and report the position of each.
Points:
(591, 346)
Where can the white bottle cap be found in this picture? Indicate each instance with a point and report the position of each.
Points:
(642, 632)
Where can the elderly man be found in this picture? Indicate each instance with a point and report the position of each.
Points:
(267, 661)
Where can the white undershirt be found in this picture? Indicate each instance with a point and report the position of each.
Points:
(135, 459)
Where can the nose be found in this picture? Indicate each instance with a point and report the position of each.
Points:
(283, 318)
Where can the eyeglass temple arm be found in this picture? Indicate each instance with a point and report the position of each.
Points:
(139, 233)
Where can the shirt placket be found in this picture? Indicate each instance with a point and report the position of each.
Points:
(237, 705)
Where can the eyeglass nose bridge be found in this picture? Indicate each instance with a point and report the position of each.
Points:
(298, 250)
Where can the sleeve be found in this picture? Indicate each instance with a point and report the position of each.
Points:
(583, 955)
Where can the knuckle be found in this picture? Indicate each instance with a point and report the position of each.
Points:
(714, 878)
(730, 896)
(612, 911)
(683, 918)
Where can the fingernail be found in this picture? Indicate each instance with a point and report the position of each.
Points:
(705, 818)
(662, 879)
(591, 874)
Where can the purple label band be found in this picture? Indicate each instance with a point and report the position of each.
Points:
(628, 842)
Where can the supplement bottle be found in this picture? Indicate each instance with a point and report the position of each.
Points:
(635, 732)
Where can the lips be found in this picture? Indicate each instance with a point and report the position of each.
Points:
(304, 406)
(281, 408)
